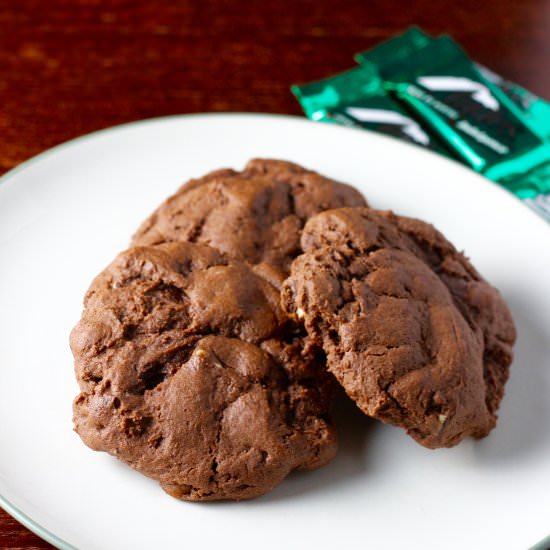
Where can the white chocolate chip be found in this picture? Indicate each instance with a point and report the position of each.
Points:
(442, 418)
(300, 313)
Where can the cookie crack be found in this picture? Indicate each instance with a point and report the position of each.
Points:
(156, 372)
(196, 232)
(215, 451)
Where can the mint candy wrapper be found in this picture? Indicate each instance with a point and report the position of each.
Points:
(532, 186)
(396, 49)
(535, 109)
(427, 91)
(496, 127)
(440, 84)
(358, 98)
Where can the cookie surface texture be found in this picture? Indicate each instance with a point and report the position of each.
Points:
(256, 215)
(183, 376)
(411, 330)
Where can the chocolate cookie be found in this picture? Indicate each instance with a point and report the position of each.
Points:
(411, 330)
(256, 215)
(182, 374)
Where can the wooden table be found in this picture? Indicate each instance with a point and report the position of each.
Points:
(69, 67)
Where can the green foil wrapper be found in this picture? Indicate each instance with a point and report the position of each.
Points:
(440, 84)
(496, 127)
(535, 109)
(358, 98)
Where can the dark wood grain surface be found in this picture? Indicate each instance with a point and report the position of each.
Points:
(69, 67)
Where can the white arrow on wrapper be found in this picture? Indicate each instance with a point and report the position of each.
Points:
(480, 93)
(409, 126)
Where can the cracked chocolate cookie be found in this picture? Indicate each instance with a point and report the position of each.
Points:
(411, 330)
(184, 377)
(256, 215)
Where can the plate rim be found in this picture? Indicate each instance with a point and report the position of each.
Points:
(258, 114)
(34, 526)
(8, 506)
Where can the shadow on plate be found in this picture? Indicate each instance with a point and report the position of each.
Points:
(523, 417)
(354, 430)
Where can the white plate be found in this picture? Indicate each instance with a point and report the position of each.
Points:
(65, 214)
